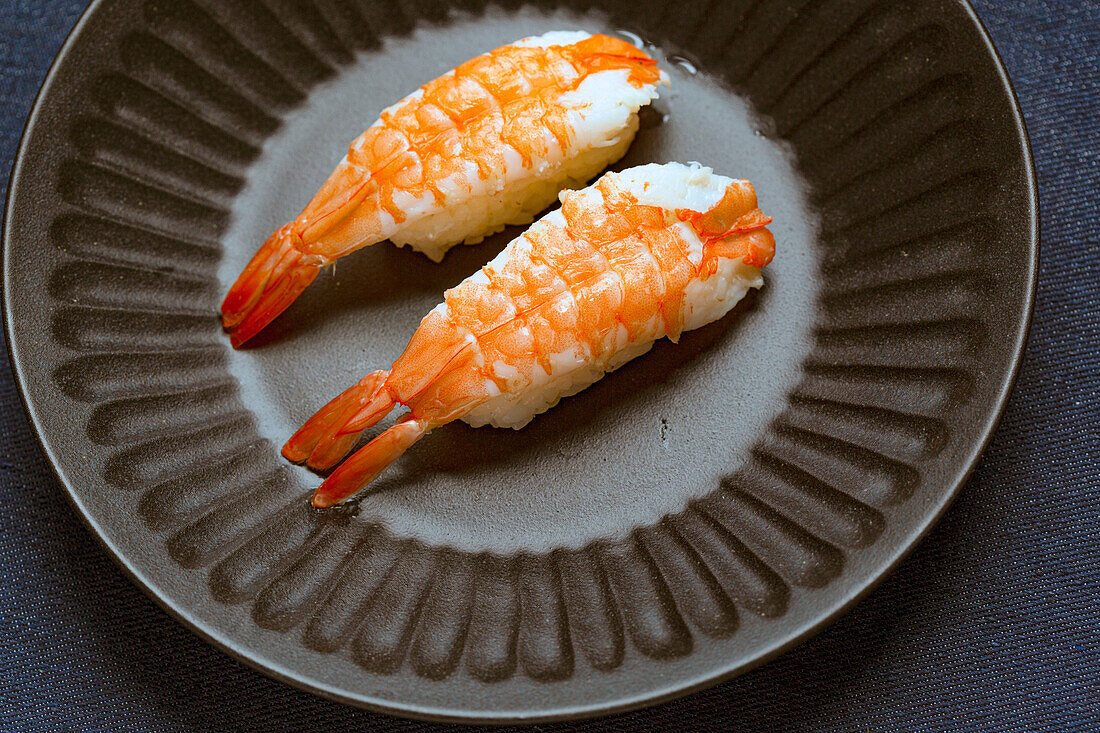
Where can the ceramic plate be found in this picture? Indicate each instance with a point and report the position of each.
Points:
(688, 517)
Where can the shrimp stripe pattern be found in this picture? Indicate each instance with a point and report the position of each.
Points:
(487, 144)
(584, 290)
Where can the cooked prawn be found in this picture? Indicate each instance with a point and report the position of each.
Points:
(638, 256)
(489, 143)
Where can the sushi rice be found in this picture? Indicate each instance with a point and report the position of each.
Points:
(669, 186)
(603, 114)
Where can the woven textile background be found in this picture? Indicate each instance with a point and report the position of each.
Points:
(991, 624)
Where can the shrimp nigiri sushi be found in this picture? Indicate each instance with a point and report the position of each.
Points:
(487, 144)
(640, 255)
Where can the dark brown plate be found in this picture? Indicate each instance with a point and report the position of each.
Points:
(690, 516)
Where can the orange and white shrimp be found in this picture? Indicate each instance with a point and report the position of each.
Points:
(487, 144)
(640, 255)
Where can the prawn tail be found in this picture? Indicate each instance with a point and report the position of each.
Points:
(273, 279)
(334, 429)
(369, 462)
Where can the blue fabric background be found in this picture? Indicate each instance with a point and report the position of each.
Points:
(991, 624)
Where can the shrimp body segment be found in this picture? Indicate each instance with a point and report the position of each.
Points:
(640, 255)
(487, 144)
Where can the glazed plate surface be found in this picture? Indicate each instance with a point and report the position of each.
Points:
(688, 517)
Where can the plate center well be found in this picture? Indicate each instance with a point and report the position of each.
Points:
(637, 445)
